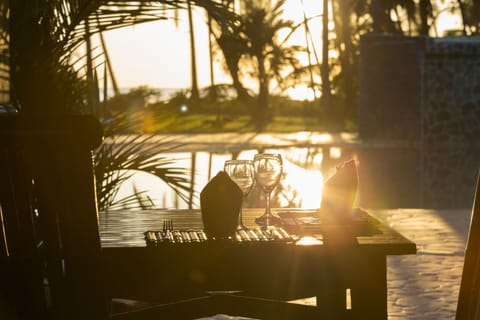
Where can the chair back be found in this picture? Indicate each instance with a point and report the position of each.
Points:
(468, 306)
(50, 252)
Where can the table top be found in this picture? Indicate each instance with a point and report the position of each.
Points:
(125, 228)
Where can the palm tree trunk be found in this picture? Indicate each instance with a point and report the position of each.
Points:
(325, 73)
(464, 19)
(90, 76)
(210, 51)
(213, 90)
(108, 65)
(193, 59)
(261, 119)
(347, 59)
(307, 44)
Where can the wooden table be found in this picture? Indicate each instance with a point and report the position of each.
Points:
(348, 278)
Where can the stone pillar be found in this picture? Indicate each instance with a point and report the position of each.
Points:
(390, 83)
(451, 122)
(422, 96)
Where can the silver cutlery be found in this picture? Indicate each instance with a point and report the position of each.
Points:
(167, 230)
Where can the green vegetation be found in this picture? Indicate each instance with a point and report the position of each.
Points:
(41, 42)
(45, 74)
(221, 114)
(116, 162)
(204, 123)
(254, 45)
(300, 116)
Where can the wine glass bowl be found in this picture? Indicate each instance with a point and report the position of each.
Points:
(242, 173)
(268, 171)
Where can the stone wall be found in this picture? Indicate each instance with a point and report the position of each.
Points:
(390, 88)
(451, 121)
(434, 89)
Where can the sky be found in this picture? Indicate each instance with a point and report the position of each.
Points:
(158, 54)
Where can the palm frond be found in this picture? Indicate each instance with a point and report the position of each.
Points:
(50, 77)
(122, 155)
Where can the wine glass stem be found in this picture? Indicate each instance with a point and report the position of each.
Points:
(240, 219)
(241, 226)
(267, 207)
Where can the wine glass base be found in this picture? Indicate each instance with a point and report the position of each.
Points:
(242, 227)
(268, 220)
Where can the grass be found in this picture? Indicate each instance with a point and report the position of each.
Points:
(231, 116)
(208, 123)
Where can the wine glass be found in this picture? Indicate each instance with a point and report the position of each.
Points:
(268, 170)
(242, 173)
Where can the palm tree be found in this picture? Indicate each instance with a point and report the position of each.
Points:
(346, 51)
(253, 45)
(193, 59)
(117, 161)
(309, 53)
(44, 36)
(325, 69)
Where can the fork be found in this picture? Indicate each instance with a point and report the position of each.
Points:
(167, 230)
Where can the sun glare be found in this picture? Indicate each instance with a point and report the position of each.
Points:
(302, 92)
(157, 54)
(309, 241)
(303, 184)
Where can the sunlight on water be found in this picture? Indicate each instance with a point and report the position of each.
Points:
(321, 138)
(307, 183)
(301, 183)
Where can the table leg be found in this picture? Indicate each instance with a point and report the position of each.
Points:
(354, 287)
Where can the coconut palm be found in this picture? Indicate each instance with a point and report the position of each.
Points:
(45, 35)
(121, 156)
(193, 54)
(252, 48)
(48, 75)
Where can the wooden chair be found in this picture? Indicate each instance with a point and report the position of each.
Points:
(468, 306)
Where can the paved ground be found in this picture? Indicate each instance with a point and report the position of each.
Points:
(425, 286)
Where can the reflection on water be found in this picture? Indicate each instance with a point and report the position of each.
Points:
(301, 184)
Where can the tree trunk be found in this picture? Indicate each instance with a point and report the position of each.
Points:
(261, 113)
(232, 55)
(193, 59)
(307, 45)
(325, 73)
(425, 9)
(464, 19)
(347, 57)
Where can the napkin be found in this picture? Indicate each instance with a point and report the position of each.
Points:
(220, 203)
(339, 193)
